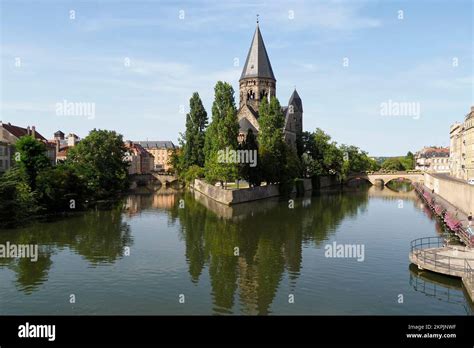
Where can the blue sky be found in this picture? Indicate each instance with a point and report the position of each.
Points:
(83, 60)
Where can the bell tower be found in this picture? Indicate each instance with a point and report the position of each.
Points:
(257, 80)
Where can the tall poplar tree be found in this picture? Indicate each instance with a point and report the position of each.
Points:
(273, 150)
(221, 135)
(194, 137)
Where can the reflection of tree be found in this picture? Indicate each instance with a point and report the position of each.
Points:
(98, 236)
(400, 185)
(269, 241)
(32, 274)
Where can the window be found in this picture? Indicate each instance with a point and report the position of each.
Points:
(1, 163)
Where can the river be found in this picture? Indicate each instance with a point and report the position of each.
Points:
(172, 252)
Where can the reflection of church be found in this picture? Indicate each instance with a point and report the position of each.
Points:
(258, 82)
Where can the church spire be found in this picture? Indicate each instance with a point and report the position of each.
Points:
(257, 63)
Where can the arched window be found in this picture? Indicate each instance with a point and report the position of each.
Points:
(250, 95)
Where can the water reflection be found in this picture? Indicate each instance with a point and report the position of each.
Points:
(400, 185)
(240, 255)
(100, 237)
(267, 238)
(441, 288)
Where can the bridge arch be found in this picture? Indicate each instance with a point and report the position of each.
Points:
(384, 178)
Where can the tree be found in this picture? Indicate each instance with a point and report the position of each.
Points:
(273, 150)
(17, 201)
(33, 158)
(60, 189)
(221, 135)
(356, 161)
(251, 173)
(408, 161)
(328, 157)
(393, 164)
(194, 137)
(99, 160)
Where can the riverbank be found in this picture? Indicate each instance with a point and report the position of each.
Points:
(454, 219)
(456, 192)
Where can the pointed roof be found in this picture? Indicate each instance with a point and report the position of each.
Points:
(295, 100)
(257, 63)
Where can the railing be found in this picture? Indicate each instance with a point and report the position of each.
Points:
(449, 264)
(439, 291)
(466, 236)
(469, 272)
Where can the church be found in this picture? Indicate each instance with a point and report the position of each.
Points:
(258, 82)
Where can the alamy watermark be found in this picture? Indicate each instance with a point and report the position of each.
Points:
(347, 251)
(15, 251)
(237, 156)
(85, 109)
(393, 108)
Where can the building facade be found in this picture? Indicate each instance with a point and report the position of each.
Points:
(462, 148)
(9, 134)
(258, 82)
(5, 156)
(141, 161)
(456, 160)
(433, 159)
(63, 144)
(161, 151)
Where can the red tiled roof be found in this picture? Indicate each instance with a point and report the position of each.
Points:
(63, 152)
(20, 131)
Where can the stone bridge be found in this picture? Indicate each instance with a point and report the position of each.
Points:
(382, 178)
(145, 179)
(165, 179)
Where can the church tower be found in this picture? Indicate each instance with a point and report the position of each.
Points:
(257, 80)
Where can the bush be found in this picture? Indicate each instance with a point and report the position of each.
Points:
(193, 172)
(17, 201)
(59, 189)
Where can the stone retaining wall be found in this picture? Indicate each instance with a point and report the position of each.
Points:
(230, 197)
(459, 194)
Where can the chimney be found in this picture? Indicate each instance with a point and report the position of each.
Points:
(33, 131)
(472, 108)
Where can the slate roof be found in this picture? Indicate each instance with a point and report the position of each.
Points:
(245, 125)
(295, 100)
(257, 63)
(156, 144)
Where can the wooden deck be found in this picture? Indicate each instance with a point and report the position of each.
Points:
(454, 260)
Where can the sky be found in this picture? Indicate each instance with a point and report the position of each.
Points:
(137, 63)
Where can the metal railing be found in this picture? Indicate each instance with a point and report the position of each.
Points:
(469, 272)
(433, 257)
(466, 236)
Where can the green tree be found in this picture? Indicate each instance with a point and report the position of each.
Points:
(326, 155)
(251, 172)
(221, 135)
(393, 164)
(408, 161)
(33, 158)
(194, 137)
(60, 189)
(17, 201)
(356, 160)
(273, 150)
(99, 160)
